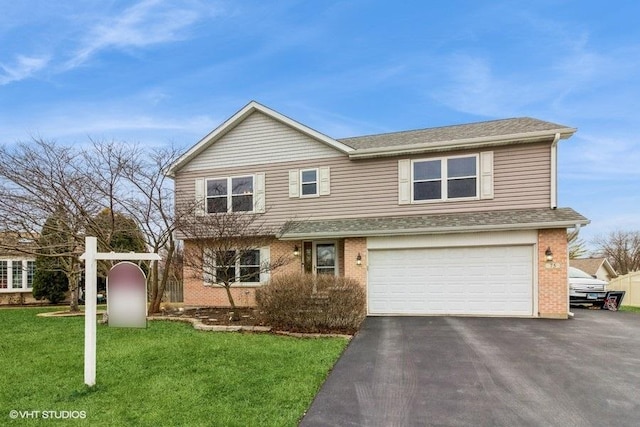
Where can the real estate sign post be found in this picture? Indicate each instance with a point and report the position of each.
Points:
(90, 257)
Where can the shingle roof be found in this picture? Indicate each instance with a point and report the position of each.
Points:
(494, 128)
(435, 223)
(591, 265)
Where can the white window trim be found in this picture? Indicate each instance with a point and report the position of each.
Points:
(230, 193)
(25, 275)
(323, 182)
(317, 182)
(237, 284)
(444, 179)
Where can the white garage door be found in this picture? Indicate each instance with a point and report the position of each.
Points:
(490, 280)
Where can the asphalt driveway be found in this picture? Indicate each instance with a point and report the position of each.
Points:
(455, 371)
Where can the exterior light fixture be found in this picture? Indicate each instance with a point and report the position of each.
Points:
(359, 259)
(296, 251)
(548, 254)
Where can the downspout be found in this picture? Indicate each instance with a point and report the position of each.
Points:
(554, 171)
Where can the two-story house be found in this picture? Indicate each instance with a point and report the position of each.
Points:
(456, 220)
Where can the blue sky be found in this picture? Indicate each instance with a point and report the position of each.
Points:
(169, 71)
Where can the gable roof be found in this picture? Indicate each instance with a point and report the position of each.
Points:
(237, 118)
(592, 265)
(518, 219)
(495, 132)
(438, 139)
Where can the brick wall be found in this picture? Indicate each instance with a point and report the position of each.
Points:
(553, 285)
(18, 298)
(197, 294)
(352, 247)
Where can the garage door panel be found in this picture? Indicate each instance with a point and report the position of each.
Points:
(489, 280)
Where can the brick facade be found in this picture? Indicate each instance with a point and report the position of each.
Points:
(198, 294)
(552, 276)
(352, 247)
(553, 287)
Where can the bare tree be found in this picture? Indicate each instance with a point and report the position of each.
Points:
(39, 180)
(223, 249)
(150, 202)
(87, 191)
(622, 249)
(577, 248)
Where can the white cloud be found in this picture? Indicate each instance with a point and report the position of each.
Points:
(24, 67)
(147, 23)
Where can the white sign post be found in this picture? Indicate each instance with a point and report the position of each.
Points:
(90, 257)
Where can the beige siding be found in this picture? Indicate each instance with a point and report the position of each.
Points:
(260, 139)
(369, 188)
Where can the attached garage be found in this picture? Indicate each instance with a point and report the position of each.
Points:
(483, 274)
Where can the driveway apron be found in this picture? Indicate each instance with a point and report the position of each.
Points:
(455, 371)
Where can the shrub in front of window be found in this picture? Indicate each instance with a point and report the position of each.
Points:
(307, 303)
(50, 285)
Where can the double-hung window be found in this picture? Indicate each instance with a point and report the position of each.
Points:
(231, 194)
(445, 178)
(309, 182)
(31, 268)
(235, 267)
(16, 272)
(4, 274)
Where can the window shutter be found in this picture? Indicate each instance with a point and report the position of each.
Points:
(404, 182)
(294, 190)
(265, 260)
(325, 182)
(200, 197)
(486, 175)
(208, 267)
(259, 193)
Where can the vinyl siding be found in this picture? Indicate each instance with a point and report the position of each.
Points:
(369, 188)
(260, 139)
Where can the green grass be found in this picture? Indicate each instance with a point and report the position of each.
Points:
(167, 374)
(629, 308)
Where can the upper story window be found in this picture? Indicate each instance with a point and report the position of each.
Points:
(312, 182)
(308, 182)
(231, 194)
(445, 178)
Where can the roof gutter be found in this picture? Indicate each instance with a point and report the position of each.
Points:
(485, 141)
(430, 230)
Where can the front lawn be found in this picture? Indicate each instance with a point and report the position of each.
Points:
(629, 308)
(167, 374)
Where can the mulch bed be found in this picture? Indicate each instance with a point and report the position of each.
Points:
(218, 316)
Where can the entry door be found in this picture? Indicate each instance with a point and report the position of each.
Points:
(325, 259)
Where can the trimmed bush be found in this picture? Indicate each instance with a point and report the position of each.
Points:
(307, 303)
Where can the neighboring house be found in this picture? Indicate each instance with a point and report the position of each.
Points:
(600, 268)
(16, 273)
(457, 220)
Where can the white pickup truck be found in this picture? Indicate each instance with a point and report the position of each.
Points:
(586, 289)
